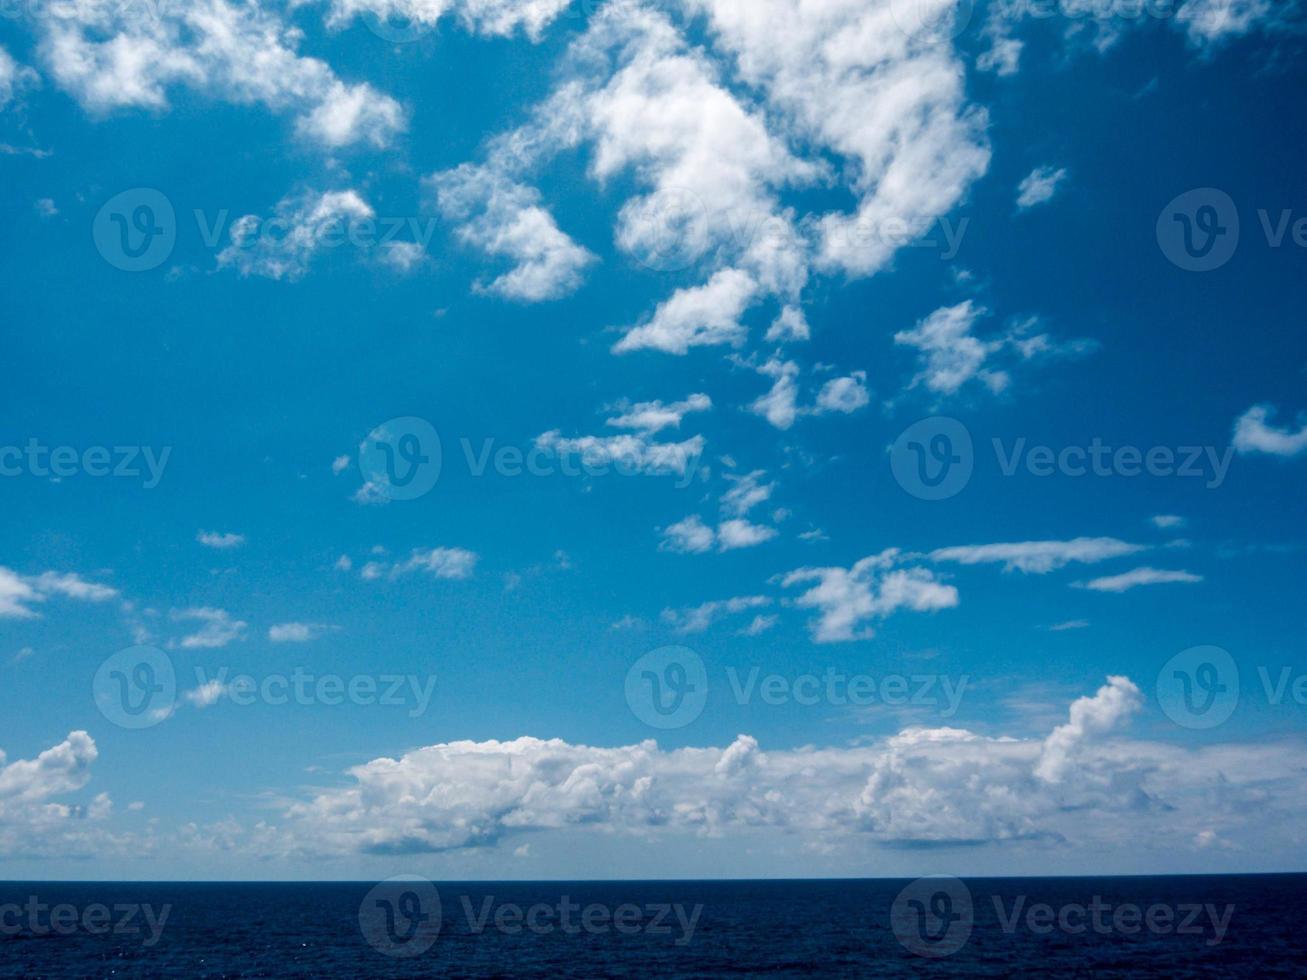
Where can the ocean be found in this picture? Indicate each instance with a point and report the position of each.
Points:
(1190, 926)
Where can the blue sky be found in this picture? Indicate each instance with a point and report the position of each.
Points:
(684, 287)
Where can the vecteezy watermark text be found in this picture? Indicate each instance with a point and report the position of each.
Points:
(403, 458)
(402, 917)
(35, 458)
(935, 458)
(36, 918)
(668, 688)
(936, 916)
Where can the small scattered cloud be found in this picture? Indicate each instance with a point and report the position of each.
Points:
(297, 632)
(1137, 577)
(1254, 433)
(217, 627)
(1040, 186)
(222, 541)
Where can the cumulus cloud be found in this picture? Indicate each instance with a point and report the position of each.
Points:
(32, 821)
(1137, 577)
(1254, 433)
(1115, 701)
(1083, 784)
(740, 533)
(849, 599)
(844, 395)
(700, 316)
(1040, 186)
(1038, 557)
(911, 148)
(780, 405)
(217, 627)
(18, 593)
(113, 56)
(690, 536)
(505, 219)
(283, 246)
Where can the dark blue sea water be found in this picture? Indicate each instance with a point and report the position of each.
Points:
(1248, 925)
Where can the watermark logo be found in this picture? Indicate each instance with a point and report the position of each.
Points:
(136, 687)
(396, 27)
(1199, 230)
(401, 459)
(933, 459)
(932, 20)
(933, 916)
(668, 687)
(136, 230)
(400, 916)
(1199, 687)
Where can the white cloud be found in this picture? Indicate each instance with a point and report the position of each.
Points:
(340, 464)
(223, 541)
(1254, 433)
(844, 395)
(113, 56)
(403, 257)
(1167, 522)
(700, 316)
(790, 325)
(441, 563)
(739, 533)
(217, 627)
(651, 418)
(1137, 577)
(1070, 624)
(849, 599)
(951, 355)
(780, 406)
(504, 218)
(1210, 22)
(1040, 186)
(296, 632)
(1115, 701)
(33, 823)
(688, 537)
(1084, 787)
(627, 453)
(302, 225)
(496, 18)
(207, 694)
(759, 625)
(747, 492)
(19, 592)
(14, 78)
(889, 104)
(699, 618)
(1038, 557)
